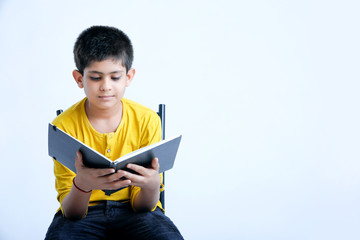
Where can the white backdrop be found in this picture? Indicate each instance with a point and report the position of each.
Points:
(265, 93)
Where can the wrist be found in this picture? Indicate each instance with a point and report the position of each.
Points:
(80, 187)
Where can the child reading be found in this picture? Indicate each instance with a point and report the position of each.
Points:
(114, 126)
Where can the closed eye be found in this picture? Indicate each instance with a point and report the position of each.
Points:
(115, 78)
(95, 78)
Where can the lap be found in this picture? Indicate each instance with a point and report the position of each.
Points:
(114, 220)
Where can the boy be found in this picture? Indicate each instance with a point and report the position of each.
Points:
(114, 126)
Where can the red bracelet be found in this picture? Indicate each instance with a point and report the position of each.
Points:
(80, 188)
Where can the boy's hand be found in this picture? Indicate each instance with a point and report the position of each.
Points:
(93, 178)
(148, 178)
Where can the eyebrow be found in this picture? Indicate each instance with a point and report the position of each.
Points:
(97, 72)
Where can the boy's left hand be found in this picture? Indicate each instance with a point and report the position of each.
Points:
(148, 178)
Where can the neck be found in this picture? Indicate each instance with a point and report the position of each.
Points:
(96, 113)
(104, 120)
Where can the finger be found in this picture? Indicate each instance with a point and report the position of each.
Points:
(78, 157)
(109, 181)
(78, 160)
(134, 178)
(137, 168)
(103, 172)
(120, 175)
(99, 172)
(155, 164)
(116, 184)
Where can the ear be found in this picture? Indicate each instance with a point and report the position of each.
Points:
(129, 76)
(78, 78)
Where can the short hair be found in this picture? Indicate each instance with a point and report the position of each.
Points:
(98, 43)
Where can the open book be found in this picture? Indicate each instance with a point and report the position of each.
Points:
(63, 147)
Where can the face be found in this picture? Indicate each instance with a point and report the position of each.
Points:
(104, 83)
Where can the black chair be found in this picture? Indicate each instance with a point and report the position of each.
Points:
(161, 114)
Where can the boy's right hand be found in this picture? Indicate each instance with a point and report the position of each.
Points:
(96, 178)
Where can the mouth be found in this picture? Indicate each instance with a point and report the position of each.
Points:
(106, 97)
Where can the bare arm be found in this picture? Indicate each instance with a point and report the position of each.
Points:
(75, 204)
(149, 181)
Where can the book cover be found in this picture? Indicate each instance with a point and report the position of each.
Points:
(63, 147)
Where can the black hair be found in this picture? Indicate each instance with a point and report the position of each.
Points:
(98, 43)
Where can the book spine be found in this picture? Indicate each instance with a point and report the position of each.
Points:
(113, 165)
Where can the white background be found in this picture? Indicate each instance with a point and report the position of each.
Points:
(265, 93)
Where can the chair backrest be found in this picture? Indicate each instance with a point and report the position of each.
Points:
(161, 114)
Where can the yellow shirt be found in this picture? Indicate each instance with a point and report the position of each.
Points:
(138, 128)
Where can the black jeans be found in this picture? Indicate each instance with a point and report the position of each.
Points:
(114, 220)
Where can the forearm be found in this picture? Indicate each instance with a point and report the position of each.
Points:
(75, 204)
(146, 199)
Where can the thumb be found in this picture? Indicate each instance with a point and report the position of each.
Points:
(155, 164)
(78, 159)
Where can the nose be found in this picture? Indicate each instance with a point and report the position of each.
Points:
(105, 84)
